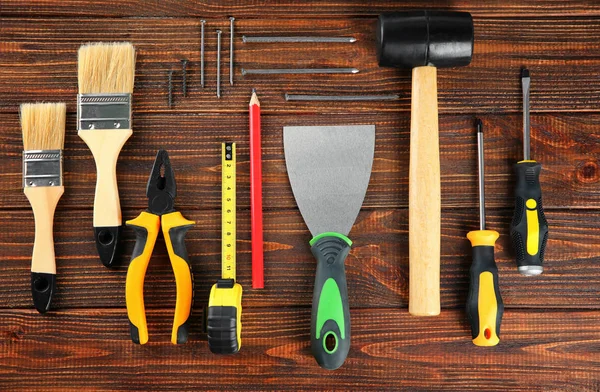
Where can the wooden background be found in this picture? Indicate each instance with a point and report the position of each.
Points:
(551, 329)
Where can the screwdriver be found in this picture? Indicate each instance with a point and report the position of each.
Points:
(484, 303)
(529, 229)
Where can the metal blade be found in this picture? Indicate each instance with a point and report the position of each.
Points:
(329, 169)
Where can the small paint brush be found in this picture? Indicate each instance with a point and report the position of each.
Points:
(43, 126)
(106, 72)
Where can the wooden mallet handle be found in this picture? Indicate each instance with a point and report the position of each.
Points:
(424, 205)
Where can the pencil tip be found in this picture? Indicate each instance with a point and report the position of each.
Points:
(479, 125)
(253, 90)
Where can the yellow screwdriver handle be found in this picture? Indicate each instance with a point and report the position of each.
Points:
(484, 303)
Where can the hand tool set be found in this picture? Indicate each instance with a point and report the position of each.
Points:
(328, 167)
(224, 313)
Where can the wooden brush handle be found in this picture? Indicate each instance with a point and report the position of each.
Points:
(424, 205)
(106, 145)
(43, 201)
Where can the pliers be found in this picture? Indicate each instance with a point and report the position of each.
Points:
(161, 192)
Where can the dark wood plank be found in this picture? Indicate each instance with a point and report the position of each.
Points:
(391, 350)
(377, 267)
(39, 63)
(288, 8)
(567, 145)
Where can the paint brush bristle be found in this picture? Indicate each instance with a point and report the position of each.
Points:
(106, 68)
(43, 126)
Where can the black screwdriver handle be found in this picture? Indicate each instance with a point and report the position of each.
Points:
(529, 228)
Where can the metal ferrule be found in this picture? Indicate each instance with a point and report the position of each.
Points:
(103, 111)
(42, 168)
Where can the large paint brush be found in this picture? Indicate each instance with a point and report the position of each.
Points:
(106, 72)
(43, 126)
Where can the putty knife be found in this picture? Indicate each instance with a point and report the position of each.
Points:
(329, 170)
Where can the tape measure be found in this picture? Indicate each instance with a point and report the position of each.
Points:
(228, 211)
(224, 312)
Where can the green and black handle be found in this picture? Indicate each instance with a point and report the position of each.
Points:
(330, 324)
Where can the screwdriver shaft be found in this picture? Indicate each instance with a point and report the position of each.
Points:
(480, 161)
(525, 83)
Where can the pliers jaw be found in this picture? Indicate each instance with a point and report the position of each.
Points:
(161, 189)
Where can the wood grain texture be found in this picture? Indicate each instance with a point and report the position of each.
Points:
(289, 8)
(539, 351)
(567, 145)
(376, 269)
(559, 54)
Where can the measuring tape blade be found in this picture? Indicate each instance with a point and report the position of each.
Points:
(228, 211)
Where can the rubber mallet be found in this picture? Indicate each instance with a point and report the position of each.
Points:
(424, 41)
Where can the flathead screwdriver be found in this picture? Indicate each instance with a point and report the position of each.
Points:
(484, 303)
(529, 228)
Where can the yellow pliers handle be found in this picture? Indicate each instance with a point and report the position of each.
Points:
(146, 227)
(174, 227)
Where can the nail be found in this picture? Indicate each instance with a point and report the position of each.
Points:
(170, 88)
(202, 23)
(231, 19)
(184, 64)
(219, 63)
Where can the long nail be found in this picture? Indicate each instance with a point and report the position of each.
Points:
(231, 19)
(219, 63)
(202, 23)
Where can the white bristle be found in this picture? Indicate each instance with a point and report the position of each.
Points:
(43, 126)
(106, 68)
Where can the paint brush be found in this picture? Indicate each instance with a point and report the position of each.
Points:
(43, 126)
(106, 72)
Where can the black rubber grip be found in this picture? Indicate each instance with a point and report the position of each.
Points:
(43, 286)
(177, 236)
(107, 244)
(330, 324)
(528, 189)
(222, 329)
(135, 333)
(483, 261)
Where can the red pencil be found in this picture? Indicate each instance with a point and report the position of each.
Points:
(256, 194)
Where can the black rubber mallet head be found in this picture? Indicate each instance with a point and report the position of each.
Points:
(416, 38)
(424, 40)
